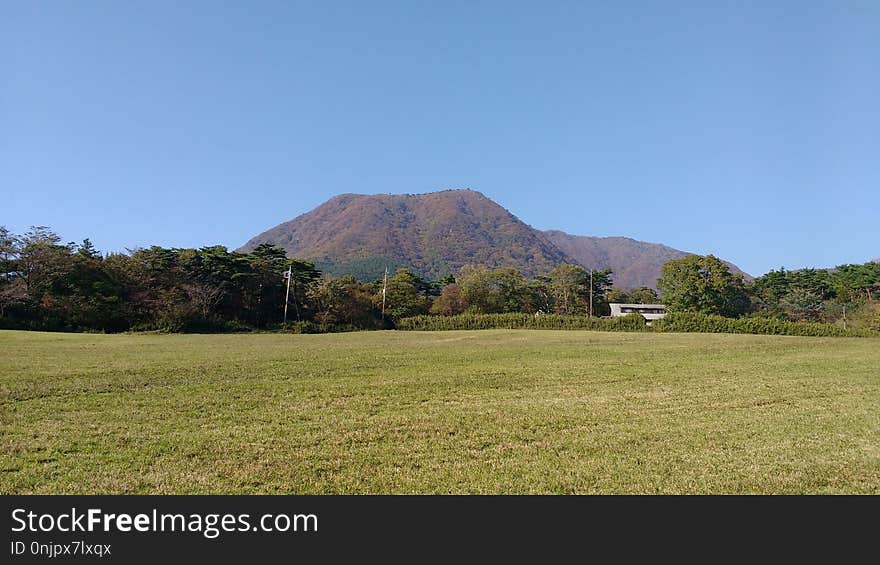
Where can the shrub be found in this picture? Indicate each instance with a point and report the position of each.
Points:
(304, 327)
(307, 327)
(676, 322)
(708, 323)
(866, 315)
(520, 321)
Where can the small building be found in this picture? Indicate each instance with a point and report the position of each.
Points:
(649, 311)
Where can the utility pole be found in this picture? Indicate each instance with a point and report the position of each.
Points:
(287, 275)
(591, 293)
(844, 316)
(384, 287)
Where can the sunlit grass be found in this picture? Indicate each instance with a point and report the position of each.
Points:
(447, 412)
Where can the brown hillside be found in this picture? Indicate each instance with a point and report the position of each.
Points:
(434, 233)
(634, 263)
(439, 232)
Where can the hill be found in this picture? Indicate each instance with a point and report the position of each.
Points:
(434, 233)
(438, 232)
(634, 263)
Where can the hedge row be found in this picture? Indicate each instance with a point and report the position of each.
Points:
(678, 322)
(521, 321)
(703, 323)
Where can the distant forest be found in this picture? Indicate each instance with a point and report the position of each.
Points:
(49, 285)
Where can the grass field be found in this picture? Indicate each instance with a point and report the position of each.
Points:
(447, 412)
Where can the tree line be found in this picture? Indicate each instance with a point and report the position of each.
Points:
(49, 285)
(845, 295)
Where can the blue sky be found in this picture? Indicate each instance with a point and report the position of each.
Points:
(750, 130)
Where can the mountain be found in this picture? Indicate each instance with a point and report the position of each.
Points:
(434, 233)
(634, 263)
(438, 232)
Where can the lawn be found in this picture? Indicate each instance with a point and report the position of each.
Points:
(498, 411)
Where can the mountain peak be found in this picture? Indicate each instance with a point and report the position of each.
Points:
(436, 233)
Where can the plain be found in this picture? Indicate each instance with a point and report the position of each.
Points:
(496, 411)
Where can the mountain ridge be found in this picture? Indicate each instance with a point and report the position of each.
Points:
(436, 233)
(634, 263)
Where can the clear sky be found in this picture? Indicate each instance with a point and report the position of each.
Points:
(747, 129)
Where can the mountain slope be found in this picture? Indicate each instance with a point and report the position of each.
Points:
(434, 233)
(634, 263)
(438, 232)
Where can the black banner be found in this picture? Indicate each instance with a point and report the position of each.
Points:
(147, 529)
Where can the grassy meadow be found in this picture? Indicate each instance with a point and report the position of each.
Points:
(496, 411)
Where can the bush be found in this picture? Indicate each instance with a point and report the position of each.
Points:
(520, 321)
(304, 327)
(234, 326)
(676, 322)
(307, 327)
(706, 323)
(865, 316)
(178, 322)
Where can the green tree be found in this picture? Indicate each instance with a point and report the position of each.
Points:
(41, 260)
(803, 305)
(13, 290)
(541, 294)
(772, 287)
(695, 283)
(494, 292)
(342, 301)
(12, 293)
(511, 291)
(266, 287)
(619, 296)
(475, 284)
(854, 283)
(601, 282)
(641, 295)
(303, 277)
(9, 248)
(86, 249)
(644, 295)
(570, 287)
(406, 295)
